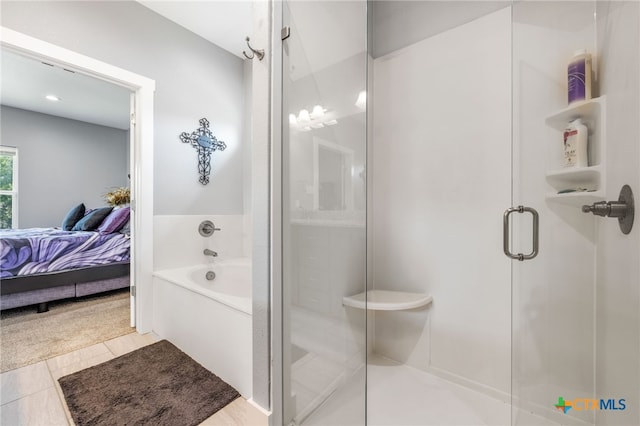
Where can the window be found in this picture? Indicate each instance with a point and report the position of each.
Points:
(8, 187)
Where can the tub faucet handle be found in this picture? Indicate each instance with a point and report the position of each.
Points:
(623, 209)
(207, 228)
(601, 208)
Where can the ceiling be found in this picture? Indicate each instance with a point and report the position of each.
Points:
(25, 83)
(224, 23)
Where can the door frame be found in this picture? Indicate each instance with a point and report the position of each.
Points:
(141, 163)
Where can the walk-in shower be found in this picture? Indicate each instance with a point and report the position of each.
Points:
(421, 141)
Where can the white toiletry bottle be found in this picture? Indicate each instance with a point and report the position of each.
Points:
(579, 77)
(575, 144)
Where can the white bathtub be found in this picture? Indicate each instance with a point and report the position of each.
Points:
(209, 320)
(231, 286)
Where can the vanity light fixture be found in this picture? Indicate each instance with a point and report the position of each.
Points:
(304, 117)
(306, 121)
(317, 112)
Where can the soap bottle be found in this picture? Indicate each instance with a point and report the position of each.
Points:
(575, 144)
(579, 77)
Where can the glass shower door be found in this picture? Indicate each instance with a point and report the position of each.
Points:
(441, 178)
(552, 294)
(323, 205)
(575, 337)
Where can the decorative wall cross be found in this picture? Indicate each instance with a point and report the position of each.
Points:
(203, 140)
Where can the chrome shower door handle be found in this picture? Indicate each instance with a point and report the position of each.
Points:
(506, 233)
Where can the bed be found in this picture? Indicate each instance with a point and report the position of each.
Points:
(39, 265)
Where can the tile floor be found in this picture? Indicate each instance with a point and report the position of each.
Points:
(31, 395)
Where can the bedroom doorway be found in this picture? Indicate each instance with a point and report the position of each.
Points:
(140, 156)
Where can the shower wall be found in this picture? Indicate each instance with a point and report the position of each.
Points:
(178, 243)
(618, 268)
(441, 161)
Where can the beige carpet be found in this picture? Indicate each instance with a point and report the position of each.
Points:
(28, 337)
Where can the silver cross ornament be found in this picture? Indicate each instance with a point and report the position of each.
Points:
(203, 140)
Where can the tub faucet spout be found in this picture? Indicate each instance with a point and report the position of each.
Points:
(212, 253)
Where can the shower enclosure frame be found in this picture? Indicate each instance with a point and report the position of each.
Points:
(277, 133)
(279, 214)
(276, 120)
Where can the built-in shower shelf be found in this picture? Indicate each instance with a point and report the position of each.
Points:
(590, 111)
(592, 178)
(574, 177)
(385, 300)
(576, 199)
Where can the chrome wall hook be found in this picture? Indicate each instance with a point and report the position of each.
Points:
(259, 53)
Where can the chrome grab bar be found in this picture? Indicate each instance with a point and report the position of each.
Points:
(506, 233)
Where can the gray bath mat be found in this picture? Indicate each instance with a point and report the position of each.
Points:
(155, 385)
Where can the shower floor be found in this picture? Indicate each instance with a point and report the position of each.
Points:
(399, 395)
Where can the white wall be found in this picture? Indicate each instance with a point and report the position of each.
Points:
(441, 152)
(398, 23)
(194, 79)
(618, 277)
(62, 163)
(178, 242)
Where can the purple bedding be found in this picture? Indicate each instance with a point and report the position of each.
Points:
(42, 250)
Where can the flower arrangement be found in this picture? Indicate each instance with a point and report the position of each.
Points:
(118, 196)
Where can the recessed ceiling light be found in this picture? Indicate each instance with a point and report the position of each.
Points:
(53, 98)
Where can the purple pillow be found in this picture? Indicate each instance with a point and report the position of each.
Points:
(116, 220)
